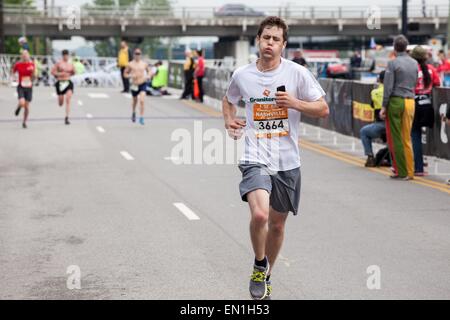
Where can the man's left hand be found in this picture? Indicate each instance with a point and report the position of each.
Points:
(284, 100)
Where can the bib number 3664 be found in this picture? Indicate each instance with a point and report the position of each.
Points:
(270, 121)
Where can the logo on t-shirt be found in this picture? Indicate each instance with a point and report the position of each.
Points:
(266, 93)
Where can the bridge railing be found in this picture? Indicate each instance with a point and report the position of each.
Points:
(288, 11)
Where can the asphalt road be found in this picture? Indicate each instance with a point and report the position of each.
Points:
(103, 199)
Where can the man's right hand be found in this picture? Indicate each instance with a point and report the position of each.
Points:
(235, 128)
(235, 124)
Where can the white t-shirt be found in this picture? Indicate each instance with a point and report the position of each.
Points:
(271, 133)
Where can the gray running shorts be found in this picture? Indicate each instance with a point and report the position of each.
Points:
(283, 186)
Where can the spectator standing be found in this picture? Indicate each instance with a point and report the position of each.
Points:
(200, 73)
(189, 68)
(398, 109)
(123, 58)
(427, 78)
(298, 58)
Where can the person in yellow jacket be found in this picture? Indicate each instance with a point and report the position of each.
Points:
(161, 77)
(377, 128)
(123, 58)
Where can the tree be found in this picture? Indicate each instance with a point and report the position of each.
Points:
(11, 44)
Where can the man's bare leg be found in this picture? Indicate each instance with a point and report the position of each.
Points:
(141, 106)
(275, 235)
(68, 100)
(60, 100)
(26, 113)
(259, 207)
(258, 201)
(133, 108)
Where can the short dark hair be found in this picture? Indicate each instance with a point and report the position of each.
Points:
(200, 52)
(274, 21)
(400, 43)
(65, 51)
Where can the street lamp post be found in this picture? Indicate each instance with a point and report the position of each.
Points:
(448, 28)
(405, 18)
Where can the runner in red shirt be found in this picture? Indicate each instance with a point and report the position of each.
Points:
(25, 68)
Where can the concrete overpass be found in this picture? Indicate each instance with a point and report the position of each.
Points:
(54, 22)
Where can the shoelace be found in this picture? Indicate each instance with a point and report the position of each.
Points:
(269, 289)
(258, 276)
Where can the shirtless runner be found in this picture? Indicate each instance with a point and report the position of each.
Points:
(62, 71)
(140, 73)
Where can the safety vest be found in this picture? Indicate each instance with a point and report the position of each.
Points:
(161, 78)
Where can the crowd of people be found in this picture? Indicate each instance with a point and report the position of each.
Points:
(403, 106)
(194, 71)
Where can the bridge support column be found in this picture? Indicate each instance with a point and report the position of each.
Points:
(238, 49)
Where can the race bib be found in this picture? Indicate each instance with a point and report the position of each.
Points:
(63, 85)
(270, 121)
(26, 82)
(134, 87)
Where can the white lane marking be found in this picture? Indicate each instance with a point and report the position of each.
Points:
(98, 95)
(186, 211)
(101, 130)
(80, 103)
(126, 155)
(89, 116)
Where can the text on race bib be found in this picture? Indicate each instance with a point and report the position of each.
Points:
(270, 121)
(63, 85)
(26, 82)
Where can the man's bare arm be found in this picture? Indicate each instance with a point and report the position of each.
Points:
(314, 109)
(54, 70)
(229, 112)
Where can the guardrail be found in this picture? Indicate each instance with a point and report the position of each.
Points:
(91, 64)
(287, 11)
(99, 71)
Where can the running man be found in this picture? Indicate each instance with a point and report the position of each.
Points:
(25, 68)
(140, 73)
(275, 91)
(62, 71)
